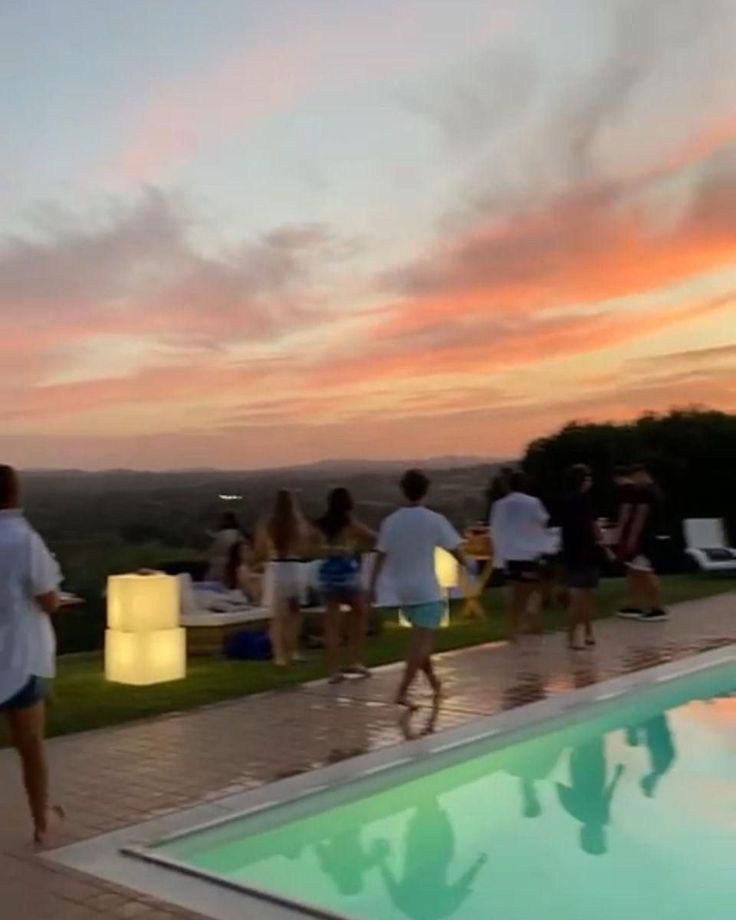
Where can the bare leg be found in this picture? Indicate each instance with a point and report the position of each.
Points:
(519, 596)
(332, 638)
(277, 634)
(26, 727)
(588, 616)
(420, 647)
(293, 628)
(574, 617)
(431, 674)
(633, 588)
(534, 609)
(651, 590)
(357, 631)
(644, 589)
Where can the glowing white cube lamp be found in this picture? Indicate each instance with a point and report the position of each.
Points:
(144, 643)
(446, 570)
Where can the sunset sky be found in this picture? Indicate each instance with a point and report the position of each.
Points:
(239, 233)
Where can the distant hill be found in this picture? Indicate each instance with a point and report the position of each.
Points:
(320, 468)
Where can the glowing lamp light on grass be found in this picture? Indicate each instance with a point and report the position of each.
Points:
(446, 570)
(144, 643)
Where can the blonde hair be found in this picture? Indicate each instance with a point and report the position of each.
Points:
(285, 526)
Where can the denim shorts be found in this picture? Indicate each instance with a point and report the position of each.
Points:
(428, 616)
(30, 694)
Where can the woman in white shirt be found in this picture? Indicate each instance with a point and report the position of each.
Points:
(29, 582)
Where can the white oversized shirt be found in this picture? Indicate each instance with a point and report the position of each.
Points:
(27, 570)
(408, 538)
(518, 528)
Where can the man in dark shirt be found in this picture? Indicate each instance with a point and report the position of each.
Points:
(638, 526)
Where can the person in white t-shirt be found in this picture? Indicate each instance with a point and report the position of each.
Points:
(29, 594)
(405, 549)
(518, 527)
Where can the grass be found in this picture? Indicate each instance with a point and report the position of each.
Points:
(82, 699)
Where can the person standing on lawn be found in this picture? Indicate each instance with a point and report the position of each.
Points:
(283, 540)
(582, 549)
(406, 546)
(343, 538)
(518, 527)
(29, 595)
(638, 529)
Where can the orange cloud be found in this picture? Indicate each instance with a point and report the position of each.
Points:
(588, 245)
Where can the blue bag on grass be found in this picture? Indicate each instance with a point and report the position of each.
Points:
(248, 646)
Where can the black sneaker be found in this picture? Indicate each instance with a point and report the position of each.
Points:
(630, 613)
(654, 616)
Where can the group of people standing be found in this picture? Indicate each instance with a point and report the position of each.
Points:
(404, 549)
(519, 530)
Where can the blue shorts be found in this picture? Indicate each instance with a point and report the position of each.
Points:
(30, 694)
(428, 616)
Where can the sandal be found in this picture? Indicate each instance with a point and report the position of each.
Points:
(359, 670)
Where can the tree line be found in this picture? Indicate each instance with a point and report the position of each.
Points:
(691, 453)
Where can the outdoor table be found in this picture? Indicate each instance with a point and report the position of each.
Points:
(474, 587)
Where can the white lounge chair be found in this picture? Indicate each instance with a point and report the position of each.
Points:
(705, 541)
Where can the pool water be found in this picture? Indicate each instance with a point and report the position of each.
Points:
(628, 814)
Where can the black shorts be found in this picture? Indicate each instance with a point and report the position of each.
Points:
(30, 694)
(525, 571)
(581, 575)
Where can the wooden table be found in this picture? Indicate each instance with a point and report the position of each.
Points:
(473, 608)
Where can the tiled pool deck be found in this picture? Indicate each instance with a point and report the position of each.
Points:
(116, 777)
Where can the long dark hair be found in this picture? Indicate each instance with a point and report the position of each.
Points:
(339, 513)
(233, 564)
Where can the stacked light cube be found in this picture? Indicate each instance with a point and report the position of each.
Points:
(144, 643)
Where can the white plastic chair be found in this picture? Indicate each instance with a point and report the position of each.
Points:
(705, 540)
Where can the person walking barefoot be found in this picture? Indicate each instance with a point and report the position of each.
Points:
(406, 546)
(29, 595)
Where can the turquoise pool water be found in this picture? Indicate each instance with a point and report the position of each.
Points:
(628, 814)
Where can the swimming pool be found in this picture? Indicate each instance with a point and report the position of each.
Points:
(619, 811)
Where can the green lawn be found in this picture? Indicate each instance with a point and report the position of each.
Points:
(83, 700)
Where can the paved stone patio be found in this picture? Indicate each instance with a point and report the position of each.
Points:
(116, 777)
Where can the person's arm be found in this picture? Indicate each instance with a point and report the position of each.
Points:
(378, 565)
(45, 576)
(624, 516)
(48, 602)
(364, 534)
(451, 541)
